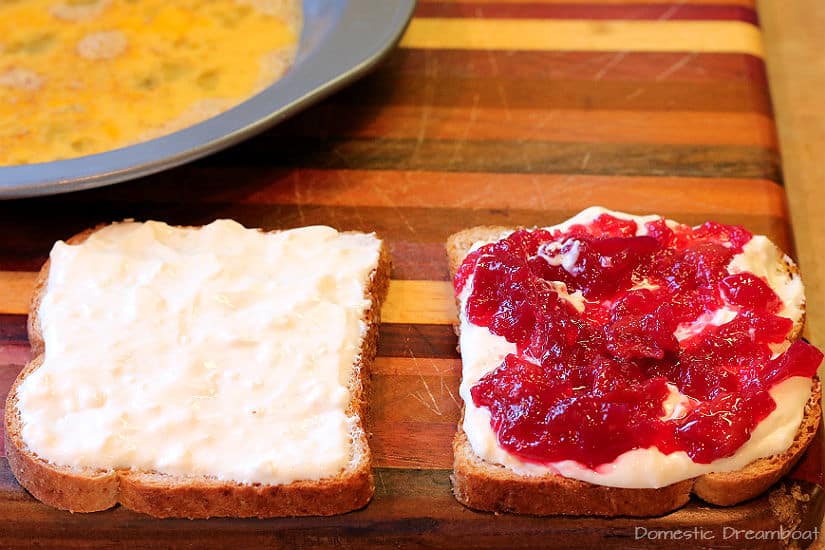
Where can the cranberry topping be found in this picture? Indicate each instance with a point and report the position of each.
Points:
(749, 291)
(590, 385)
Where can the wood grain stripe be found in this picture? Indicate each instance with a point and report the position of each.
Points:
(15, 354)
(415, 399)
(554, 66)
(504, 156)
(628, 11)
(425, 302)
(15, 294)
(408, 230)
(413, 507)
(256, 160)
(549, 123)
(663, 92)
(13, 329)
(413, 445)
(417, 341)
(417, 366)
(401, 189)
(403, 348)
(457, 190)
(8, 374)
(420, 302)
(583, 35)
(746, 3)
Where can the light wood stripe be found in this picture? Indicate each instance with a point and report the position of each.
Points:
(16, 290)
(583, 35)
(420, 302)
(413, 302)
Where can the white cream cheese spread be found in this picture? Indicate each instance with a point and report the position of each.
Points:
(217, 351)
(482, 352)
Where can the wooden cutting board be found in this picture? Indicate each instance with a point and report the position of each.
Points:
(491, 112)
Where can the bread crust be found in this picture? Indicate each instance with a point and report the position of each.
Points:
(162, 495)
(484, 485)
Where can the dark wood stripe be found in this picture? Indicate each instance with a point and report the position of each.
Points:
(532, 157)
(411, 259)
(14, 356)
(809, 468)
(665, 94)
(418, 261)
(419, 341)
(397, 188)
(411, 507)
(573, 66)
(751, 4)
(546, 124)
(528, 10)
(396, 340)
(419, 224)
(13, 329)
(8, 374)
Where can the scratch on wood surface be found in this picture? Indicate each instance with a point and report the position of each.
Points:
(585, 160)
(297, 190)
(502, 94)
(422, 123)
(634, 94)
(493, 63)
(445, 387)
(380, 479)
(684, 60)
(539, 192)
(671, 11)
(338, 153)
(405, 221)
(431, 405)
(430, 70)
(459, 143)
(470, 200)
(436, 409)
(612, 62)
(378, 190)
(425, 403)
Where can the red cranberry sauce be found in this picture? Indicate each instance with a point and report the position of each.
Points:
(590, 385)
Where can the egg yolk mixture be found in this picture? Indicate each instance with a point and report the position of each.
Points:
(79, 77)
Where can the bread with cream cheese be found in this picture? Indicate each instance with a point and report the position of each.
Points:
(164, 495)
(488, 486)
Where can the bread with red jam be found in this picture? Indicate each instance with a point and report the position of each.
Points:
(488, 484)
(159, 494)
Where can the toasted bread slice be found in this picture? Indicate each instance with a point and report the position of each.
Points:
(198, 496)
(484, 485)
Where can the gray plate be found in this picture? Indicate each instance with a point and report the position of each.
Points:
(341, 40)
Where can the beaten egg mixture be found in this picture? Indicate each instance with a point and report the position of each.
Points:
(84, 76)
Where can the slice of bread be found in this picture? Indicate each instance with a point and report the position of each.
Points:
(200, 496)
(488, 486)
